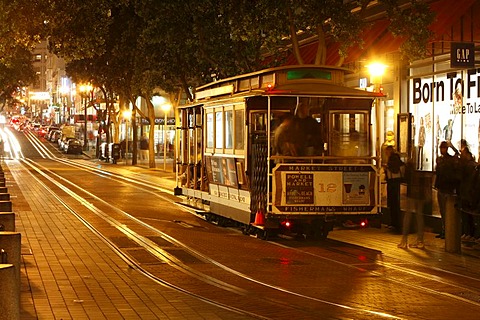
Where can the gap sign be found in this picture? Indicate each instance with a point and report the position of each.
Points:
(462, 55)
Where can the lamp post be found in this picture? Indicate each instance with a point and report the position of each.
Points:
(166, 108)
(127, 114)
(84, 89)
(376, 71)
(64, 90)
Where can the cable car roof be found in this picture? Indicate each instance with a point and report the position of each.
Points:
(315, 80)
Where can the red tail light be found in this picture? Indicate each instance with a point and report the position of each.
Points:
(287, 224)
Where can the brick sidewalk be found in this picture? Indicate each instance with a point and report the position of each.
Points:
(70, 273)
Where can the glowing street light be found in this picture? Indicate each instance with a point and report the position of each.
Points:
(376, 71)
(64, 91)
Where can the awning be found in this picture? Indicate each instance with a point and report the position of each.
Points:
(378, 40)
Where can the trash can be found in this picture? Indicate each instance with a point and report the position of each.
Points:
(115, 152)
(110, 151)
(104, 151)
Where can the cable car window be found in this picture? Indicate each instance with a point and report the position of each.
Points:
(190, 120)
(191, 145)
(239, 129)
(198, 114)
(219, 129)
(259, 121)
(229, 129)
(350, 135)
(210, 130)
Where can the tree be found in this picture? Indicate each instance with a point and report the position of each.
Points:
(412, 23)
(133, 47)
(22, 25)
(77, 29)
(16, 71)
(20, 29)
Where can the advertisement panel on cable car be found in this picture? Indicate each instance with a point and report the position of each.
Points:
(313, 188)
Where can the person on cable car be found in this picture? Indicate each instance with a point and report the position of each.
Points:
(299, 136)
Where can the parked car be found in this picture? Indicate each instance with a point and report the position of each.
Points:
(55, 135)
(62, 141)
(42, 132)
(73, 146)
(34, 126)
(51, 129)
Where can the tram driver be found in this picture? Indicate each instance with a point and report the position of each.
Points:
(299, 136)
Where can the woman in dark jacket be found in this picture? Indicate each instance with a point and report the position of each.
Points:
(394, 172)
(446, 180)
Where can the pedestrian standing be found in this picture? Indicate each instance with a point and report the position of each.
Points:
(144, 148)
(394, 173)
(446, 180)
(416, 192)
(123, 149)
(468, 173)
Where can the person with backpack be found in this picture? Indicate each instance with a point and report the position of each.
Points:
(394, 174)
(446, 180)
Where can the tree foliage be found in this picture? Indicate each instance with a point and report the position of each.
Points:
(20, 29)
(182, 44)
(16, 71)
(412, 23)
(133, 47)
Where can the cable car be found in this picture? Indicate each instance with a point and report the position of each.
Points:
(282, 150)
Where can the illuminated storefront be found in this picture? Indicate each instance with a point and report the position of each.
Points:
(445, 104)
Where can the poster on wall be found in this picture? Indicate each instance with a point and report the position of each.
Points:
(446, 107)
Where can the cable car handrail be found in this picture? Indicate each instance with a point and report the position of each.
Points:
(321, 158)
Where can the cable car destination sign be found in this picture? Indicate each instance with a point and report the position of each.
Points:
(313, 188)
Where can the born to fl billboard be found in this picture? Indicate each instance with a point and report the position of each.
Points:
(446, 107)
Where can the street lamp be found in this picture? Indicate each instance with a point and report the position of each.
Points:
(376, 70)
(127, 114)
(166, 109)
(64, 90)
(84, 89)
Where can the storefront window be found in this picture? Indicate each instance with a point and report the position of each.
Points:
(445, 108)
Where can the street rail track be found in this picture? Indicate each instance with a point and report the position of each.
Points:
(164, 256)
(431, 281)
